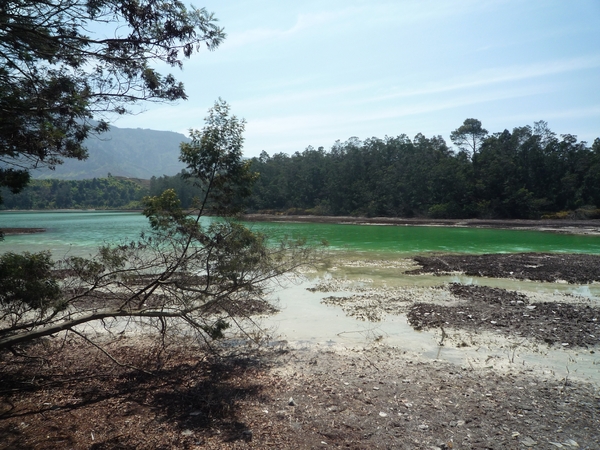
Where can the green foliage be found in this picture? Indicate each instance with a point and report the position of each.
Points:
(165, 212)
(215, 330)
(523, 174)
(469, 136)
(185, 190)
(98, 193)
(27, 278)
(181, 273)
(56, 75)
(214, 162)
(240, 251)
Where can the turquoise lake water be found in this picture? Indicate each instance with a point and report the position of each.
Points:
(305, 320)
(82, 232)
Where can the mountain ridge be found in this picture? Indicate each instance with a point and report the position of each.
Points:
(123, 152)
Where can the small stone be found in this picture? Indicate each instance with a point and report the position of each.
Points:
(187, 433)
(247, 435)
(382, 414)
(528, 442)
(291, 402)
(423, 427)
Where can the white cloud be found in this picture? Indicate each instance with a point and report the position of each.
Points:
(303, 22)
(287, 98)
(499, 75)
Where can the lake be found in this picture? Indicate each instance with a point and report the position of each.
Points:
(304, 320)
(80, 232)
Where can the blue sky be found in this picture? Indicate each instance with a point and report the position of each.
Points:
(311, 72)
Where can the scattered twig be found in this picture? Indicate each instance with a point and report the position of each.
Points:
(444, 335)
(108, 355)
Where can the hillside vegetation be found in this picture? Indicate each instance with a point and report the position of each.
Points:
(97, 193)
(127, 152)
(529, 173)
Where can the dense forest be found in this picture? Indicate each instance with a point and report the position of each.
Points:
(97, 193)
(527, 173)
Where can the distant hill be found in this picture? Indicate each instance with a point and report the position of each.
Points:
(123, 152)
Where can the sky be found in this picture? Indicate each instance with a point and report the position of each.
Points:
(308, 73)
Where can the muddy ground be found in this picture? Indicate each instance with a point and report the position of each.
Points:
(71, 396)
(12, 231)
(551, 267)
(512, 314)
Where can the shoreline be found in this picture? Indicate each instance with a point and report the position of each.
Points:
(588, 227)
(567, 226)
(16, 231)
(326, 395)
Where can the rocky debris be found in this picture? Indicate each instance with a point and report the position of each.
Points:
(372, 304)
(551, 267)
(510, 313)
(403, 264)
(441, 406)
(197, 401)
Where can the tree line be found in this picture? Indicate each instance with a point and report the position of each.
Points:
(97, 193)
(527, 173)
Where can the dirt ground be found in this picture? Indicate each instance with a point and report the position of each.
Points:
(377, 397)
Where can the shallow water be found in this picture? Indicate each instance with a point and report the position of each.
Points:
(305, 322)
(357, 252)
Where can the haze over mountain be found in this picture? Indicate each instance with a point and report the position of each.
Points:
(128, 152)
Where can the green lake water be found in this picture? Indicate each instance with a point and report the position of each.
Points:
(304, 320)
(83, 231)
